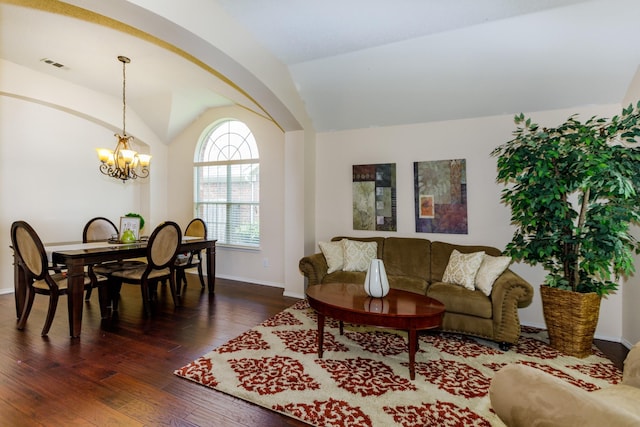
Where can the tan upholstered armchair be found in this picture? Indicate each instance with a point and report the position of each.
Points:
(525, 396)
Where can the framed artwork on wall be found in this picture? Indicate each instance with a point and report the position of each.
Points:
(374, 197)
(440, 193)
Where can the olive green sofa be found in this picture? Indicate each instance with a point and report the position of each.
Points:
(418, 265)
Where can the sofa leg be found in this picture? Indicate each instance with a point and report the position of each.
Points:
(505, 346)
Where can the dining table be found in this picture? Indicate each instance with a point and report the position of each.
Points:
(74, 256)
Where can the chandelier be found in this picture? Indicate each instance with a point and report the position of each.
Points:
(123, 162)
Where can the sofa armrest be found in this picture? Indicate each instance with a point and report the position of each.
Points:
(314, 267)
(631, 372)
(524, 396)
(510, 292)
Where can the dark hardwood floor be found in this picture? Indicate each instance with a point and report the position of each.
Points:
(122, 375)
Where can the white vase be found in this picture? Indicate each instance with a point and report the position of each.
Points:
(376, 283)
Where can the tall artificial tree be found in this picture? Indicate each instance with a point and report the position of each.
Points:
(574, 193)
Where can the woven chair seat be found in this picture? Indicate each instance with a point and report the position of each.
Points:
(61, 281)
(108, 268)
(183, 259)
(137, 272)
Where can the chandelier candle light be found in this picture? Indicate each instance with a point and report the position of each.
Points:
(376, 283)
(123, 162)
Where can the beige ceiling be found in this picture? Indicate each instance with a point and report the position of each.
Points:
(354, 63)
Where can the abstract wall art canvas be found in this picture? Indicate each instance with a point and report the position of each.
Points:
(374, 197)
(441, 196)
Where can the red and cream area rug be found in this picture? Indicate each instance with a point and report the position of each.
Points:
(363, 377)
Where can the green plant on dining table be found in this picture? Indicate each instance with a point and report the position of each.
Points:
(135, 215)
(574, 192)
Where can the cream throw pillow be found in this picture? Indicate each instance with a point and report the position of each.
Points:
(462, 269)
(358, 255)
(334, 254)
(490, 269)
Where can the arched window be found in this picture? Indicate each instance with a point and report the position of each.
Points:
(227, 184)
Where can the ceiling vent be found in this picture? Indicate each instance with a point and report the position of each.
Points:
(52, 63)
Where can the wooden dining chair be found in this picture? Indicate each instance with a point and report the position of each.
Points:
(99, 229)
(95, 230)
(42, 279)
(184, 261)
(162, 250)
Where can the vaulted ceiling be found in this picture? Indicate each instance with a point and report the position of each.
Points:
(354, 63)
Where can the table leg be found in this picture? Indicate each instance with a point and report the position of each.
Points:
(341, 327)
(75, 281)
(413, 345)
(320, 334)
(211, 268)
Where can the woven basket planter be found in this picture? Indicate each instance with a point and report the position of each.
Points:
(571, 319)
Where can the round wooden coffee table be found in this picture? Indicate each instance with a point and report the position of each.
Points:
(348, 302)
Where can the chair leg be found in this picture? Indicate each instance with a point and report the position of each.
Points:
(53, 304)
(179, 279)
(26, 309)
(113, 286)
(172, 285)
(87, 295)
(146, 303)
(201, 275)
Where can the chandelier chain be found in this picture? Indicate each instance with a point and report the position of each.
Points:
(124, 97)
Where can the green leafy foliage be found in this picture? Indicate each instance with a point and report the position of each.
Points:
(574, 192)
(135, 215)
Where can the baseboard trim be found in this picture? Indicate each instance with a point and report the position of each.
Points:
(245, 280)
(293, 295)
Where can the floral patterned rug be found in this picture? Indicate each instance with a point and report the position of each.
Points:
(363, 377)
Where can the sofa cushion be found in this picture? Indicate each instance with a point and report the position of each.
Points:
(490, 269)
(379, 240)
(334, 254)
(457, 299)
(358, 255)
(441, 251)
(463, 268)
(413, 284)
(407, 257)
(345, 277)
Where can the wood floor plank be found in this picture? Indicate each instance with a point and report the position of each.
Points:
(120, 373)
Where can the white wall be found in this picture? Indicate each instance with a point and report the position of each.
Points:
(631, 314)
(631, 285)
(247, 265)
(49, 176)
(294, 214)
(54, 125)
(473, 140)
